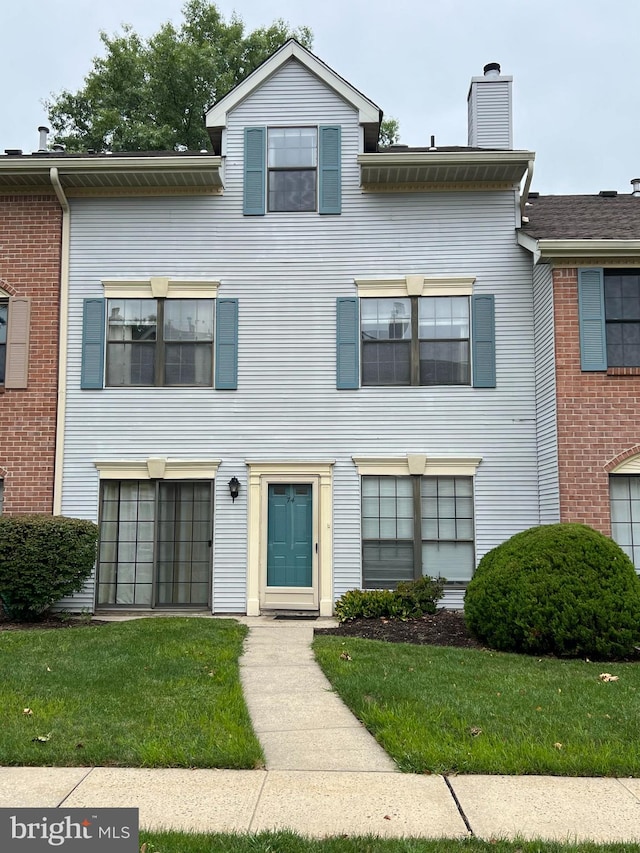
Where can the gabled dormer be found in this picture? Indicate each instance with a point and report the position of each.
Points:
(290, 123)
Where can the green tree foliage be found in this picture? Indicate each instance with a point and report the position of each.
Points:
(561, 589)
(389, 133)
(42, 559)
(146, 95)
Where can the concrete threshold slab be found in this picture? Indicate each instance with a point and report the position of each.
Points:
(550, 807)
(385, 804)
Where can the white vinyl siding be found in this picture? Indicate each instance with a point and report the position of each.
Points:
(287, 279)
(546, 412)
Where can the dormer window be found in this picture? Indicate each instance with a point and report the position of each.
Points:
(292, 169)
(292, 159)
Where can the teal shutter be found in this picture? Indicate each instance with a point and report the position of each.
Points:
(92, 372)
(347, 343)
(227, 344)
(329, 180)
(593, 333)
(483, 339)
(255, 146)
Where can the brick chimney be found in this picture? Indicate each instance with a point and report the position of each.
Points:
(489, 100)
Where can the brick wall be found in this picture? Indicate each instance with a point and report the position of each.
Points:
(598, 416)
(30, 241)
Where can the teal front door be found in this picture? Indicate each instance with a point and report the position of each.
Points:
(290, 535)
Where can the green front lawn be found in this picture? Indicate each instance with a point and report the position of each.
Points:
(157, 692)
(288, 842)
(444, 710)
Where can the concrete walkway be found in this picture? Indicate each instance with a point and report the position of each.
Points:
(327, 776)
(300, 722)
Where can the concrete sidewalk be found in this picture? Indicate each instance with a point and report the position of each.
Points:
(321, 803)
(325, 775)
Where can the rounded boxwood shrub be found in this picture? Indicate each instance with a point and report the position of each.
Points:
(561, 589)
(42, 559)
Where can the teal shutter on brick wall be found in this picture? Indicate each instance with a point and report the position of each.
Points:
(347, 343)
(483, 341)
(227, 344)
(593, 334)
(329, 189)
(92, 373)
(255, 147)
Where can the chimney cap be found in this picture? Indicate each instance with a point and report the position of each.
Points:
(635, 183)
(490, 67)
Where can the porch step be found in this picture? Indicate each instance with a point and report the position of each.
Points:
(309, 615)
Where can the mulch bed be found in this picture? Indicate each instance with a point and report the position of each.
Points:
(443, 628)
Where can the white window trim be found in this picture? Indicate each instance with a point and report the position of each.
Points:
(160, 287)
(417, 464)
(415, 285)
(159, 468)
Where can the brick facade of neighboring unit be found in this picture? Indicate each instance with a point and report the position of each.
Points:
(597, 416)
(30, 246)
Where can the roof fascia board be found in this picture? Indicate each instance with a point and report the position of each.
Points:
(548, 249)
(368, 112)
(444, 158)
(111, 164)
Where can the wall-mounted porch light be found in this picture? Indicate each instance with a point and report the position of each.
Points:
(234, 488)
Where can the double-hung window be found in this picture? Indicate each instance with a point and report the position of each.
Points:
(292, 169)
(160, 333)
(292, 157)
(160, 342)
(414, 526)
(609, 314)
(625, 514)
(416, 330)
(416, 341)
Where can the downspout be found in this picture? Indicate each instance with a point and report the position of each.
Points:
(527, 187)
(62, 347)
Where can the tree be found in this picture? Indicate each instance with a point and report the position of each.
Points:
(389, 133)
(151, 94)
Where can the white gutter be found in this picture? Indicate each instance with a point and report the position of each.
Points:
(63, 327)
(527, 187)
(444, 158)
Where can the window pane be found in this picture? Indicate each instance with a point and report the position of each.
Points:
(385, 319)
(443, 317)
(188, 364)
(444, 363)
(453, 561)
(292, 147)
(131, 364)
(132, 319)
(292, 190)
(188, 320)
(385, 564)
(386, 363)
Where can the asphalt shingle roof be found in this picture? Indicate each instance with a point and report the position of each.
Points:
(583, 217)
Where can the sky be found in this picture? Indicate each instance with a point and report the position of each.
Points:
(575, 66)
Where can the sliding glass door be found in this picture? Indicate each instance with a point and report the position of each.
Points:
(155, 543)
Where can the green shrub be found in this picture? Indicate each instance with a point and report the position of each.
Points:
(411, 600)
(561, 589)
(42, 559)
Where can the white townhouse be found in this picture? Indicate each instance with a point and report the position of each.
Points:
(298, 364)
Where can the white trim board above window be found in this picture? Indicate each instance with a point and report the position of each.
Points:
(160, 287)
(158, 468)
(416, 285)
(417, 464)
